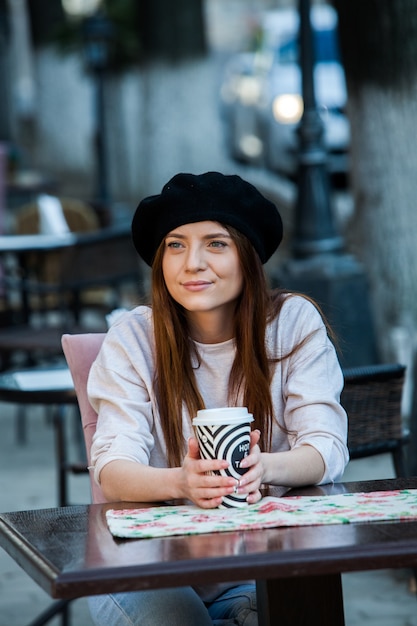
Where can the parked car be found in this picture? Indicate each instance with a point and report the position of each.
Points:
(261, 99)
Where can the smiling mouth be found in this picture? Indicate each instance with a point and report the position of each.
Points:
(198, 284)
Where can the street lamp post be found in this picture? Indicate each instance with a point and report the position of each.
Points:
(98, 34)
(315, 232)
(318, 265)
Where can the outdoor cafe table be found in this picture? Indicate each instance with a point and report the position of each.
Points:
(71, 553)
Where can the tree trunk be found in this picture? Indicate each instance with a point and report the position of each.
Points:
(172, 30)
(379, 49)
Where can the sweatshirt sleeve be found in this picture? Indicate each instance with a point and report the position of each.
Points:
(120, 390)
(312, 382)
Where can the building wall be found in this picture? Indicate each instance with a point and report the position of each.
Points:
(160, 120)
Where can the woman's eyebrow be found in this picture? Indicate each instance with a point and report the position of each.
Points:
(220, 234)
(176, 235)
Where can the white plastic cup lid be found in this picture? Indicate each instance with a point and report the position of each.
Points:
(223, 415)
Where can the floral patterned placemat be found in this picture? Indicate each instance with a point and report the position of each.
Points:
(347, 508)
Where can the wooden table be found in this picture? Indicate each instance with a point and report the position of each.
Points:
(70, 553)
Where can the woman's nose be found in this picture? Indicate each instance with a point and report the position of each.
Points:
(195, 259)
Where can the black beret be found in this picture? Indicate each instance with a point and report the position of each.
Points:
(212, 196)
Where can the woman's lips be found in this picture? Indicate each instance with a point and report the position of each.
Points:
(196, 285)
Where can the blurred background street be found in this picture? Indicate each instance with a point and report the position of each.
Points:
(105, 111)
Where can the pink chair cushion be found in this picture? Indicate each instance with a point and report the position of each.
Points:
(80, 351)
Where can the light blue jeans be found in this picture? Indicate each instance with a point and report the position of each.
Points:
(175, 607)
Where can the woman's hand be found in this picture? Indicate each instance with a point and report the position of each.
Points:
(135, 482)
(205, 490)
(250, 482)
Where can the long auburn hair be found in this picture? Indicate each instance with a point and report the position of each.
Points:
(252, 370)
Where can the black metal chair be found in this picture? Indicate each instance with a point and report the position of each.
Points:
(372, 397)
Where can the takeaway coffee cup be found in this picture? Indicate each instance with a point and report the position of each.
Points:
(225, 434)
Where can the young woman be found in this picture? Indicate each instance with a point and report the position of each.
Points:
(213, 336)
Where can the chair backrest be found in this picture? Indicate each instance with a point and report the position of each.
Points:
(79, 216)
(104, 258)
(80, 351)
(372, 398)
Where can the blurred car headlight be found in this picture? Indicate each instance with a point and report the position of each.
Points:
(249, 90)
(288, 108)
(251, 146)
(246, 89)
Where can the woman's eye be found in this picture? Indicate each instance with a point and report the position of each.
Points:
(174, 244)
(218, 244)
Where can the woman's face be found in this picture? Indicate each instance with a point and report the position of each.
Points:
(201, 267)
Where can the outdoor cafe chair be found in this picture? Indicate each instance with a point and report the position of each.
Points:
(79, 216)
(90, 272)
(372, 398)
(25, 273)
(80, 351)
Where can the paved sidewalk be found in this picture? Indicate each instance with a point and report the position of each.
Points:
(28, 480)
